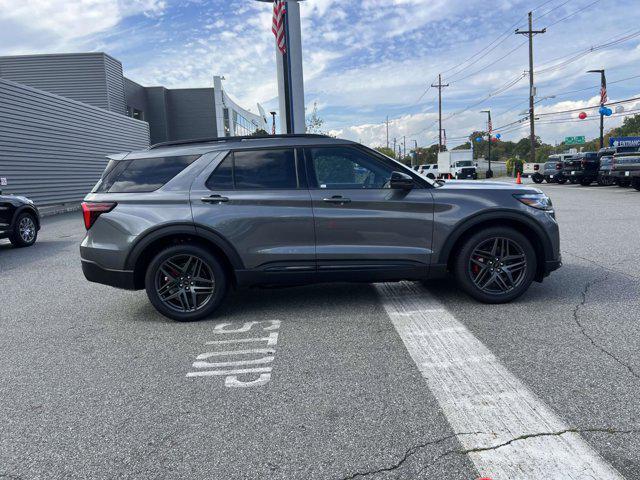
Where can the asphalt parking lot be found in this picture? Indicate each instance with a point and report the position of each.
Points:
(351, 381)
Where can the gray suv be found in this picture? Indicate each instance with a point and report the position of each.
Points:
(189, 220)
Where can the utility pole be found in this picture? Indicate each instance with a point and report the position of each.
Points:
(387, 132)
(404, 147)
(415, 151)
(489, 128)
(603, 100)
(532, 93)
(394, 147)
(440, 86)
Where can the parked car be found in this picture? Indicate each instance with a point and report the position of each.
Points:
(582, 168)
(19, 220)
(189, 220)
(625, 169)
(429, 170)
(533, 170)
(604, 172)
(552, 172)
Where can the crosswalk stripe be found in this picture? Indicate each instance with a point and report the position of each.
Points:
(521, 437)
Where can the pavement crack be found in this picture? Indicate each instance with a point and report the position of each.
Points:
(525, 437)
(583, 330)
(604, 267)
(407, 454)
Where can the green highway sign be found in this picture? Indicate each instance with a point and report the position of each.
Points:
(574, 140)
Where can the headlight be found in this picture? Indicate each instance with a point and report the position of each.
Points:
(535, 200)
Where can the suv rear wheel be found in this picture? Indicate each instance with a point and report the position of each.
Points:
(495, 265)
(185, 283)
(24, 232)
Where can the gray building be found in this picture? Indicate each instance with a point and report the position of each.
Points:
(62, 114)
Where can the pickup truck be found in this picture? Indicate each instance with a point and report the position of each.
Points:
(625, 169)
(533, 170)
(604, 172)
(582, 168)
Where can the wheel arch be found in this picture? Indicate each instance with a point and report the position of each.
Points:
(534, 232)
(26, 209)
(160, 238)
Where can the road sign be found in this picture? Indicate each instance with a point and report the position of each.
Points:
(574, 140)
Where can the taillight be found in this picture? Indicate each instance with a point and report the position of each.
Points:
(584, 162)
(536, 167)
(558, 166)
(92, 210)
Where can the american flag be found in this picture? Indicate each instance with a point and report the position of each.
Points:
(279, 10)
(490, 126)
(603, 92)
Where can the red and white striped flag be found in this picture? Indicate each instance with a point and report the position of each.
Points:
(279, 10)
(603, 93)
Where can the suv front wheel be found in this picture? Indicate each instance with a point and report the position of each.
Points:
(185, 283)
(495, 265)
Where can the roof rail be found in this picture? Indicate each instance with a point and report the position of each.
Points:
(235, 139)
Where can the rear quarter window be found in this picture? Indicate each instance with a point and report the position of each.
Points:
(142, 175)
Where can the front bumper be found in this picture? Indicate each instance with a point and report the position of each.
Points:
(552, 265)
(114, 278)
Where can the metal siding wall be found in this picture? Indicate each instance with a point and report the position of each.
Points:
(115, 85)
(52, 149)
(156, 114)
(136, 96)
(192, 113)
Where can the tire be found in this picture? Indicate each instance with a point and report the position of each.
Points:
(624, 183)
(636, 184)
(187, 306)
(431, 176)
(25, 232)
(537, 178)
(573, 181)
(468, 272)
(586, 181)
(562, 180)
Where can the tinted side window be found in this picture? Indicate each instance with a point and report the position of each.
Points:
(143, 175)
(347, 168)
(222, 177)
(265, 169)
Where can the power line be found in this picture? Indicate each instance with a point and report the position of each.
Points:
(456, 80)
(572, 14)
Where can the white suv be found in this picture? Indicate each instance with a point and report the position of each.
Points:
(429, 170)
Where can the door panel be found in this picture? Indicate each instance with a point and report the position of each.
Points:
(270, 228)
(7, 210)
(360, 221)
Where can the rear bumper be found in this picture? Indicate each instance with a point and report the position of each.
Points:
(114, 278)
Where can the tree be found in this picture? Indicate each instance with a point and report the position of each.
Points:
(386, 151)
(260, 132)
(314, 122)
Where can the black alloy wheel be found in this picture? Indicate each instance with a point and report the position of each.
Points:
(496, 265)
(25, 231)
(185, 282)
(537, 178)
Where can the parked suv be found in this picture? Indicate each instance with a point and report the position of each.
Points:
(552, 171)
(19, 220)
(429, 170)
(625, 169)
(604, 172)
(582, 168)
(188, 220)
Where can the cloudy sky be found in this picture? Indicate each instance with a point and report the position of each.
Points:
(363, 59)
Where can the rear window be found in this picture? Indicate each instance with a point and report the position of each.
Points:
(141, 175)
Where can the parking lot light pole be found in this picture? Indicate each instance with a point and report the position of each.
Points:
(603, 100)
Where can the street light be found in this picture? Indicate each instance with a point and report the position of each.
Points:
(603, 99)
(273, 128)
(488, 112)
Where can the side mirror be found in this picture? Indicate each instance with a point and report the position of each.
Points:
(401, 181)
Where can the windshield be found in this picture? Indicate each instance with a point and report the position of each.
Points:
(465, 163)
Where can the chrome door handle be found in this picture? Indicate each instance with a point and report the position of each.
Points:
(337, 199)
(215, 199)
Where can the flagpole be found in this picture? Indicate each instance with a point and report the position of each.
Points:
(290, 73)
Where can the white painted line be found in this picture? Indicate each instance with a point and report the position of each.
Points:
(217, 373)
(204, 356)
(478, 394)
(271, 340)
(234, 363)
